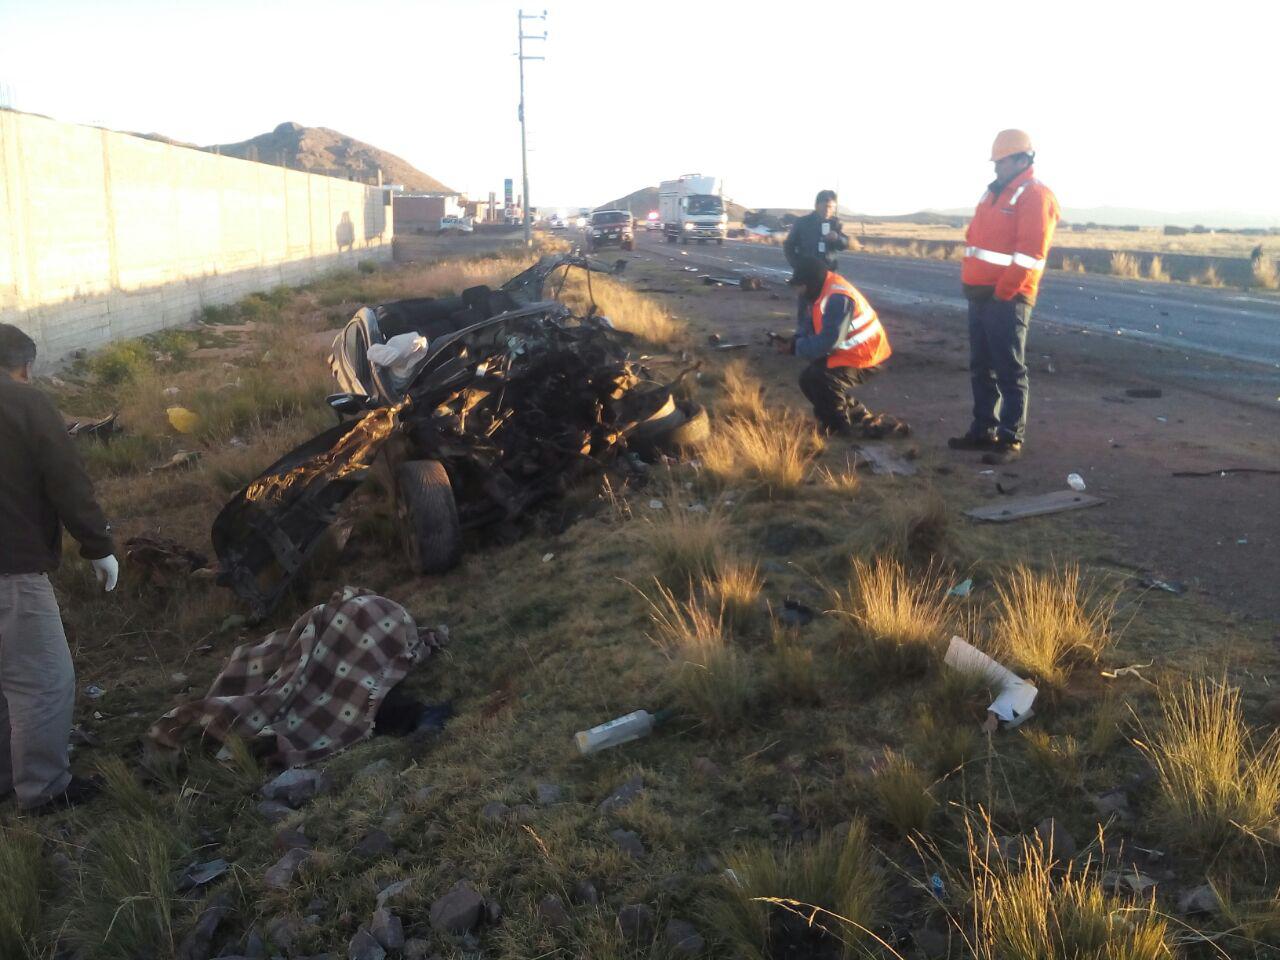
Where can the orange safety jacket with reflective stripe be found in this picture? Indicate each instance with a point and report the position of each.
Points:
(865, 343)
(1008, 238)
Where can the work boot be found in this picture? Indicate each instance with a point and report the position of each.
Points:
(971, 441)
(1004, 451)
(79, 790)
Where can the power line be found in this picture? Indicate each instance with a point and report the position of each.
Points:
(524, 151)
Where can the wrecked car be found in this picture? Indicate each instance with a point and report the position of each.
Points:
(474, 408)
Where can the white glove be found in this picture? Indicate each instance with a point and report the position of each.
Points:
(106, 570)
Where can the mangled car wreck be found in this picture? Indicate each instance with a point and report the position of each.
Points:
(477, 407)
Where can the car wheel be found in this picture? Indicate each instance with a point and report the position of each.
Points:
(695, 429)
(428, 516)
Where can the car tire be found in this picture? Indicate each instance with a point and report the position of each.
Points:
(695, 429)
(428, 515)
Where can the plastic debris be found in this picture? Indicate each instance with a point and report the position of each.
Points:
(1012, 704)
(936, 886)
(183, 420)
(548, 557)
(93, 691)
(1075, 482)
(633, 726)
(1176, 587)
(171, 391)
(656, 504)
(962, 589)
(1129, 671)
(199, 874)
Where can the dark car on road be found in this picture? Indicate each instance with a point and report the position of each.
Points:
(504, 398)
(609, 228)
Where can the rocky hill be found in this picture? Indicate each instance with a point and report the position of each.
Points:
(324, 151)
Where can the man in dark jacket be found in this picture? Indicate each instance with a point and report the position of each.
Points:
(43, 488)
(817, 235)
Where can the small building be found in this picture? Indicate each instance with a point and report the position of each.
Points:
(422, 213)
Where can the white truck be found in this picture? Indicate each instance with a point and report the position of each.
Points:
(691, 208)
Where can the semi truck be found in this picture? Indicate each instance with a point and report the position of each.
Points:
(691, 208)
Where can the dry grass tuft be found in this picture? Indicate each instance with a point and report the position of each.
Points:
(945, 745)
(902, 794)
(1265, 274)
(23, 878)
(1072, 265)
(743, 393)
(793, 672)
(735, 589)
(627, 310)
(1216, 783)
(712, 679)
(899, 621)
(1025, 908)
(683, 543)
(1048, 622)
(1208, 277)
(760, 909)
(1125, 265)
(773, 454)
(1156, 271)
(1058, 758)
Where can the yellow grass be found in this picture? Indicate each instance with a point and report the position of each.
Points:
(735, 589)
(1156, 271)
(902, 792)
(1072, 265)
(898, 619)
(1217, 783)
(773, 454)
(1208, 277)
(627, 310)
(684, 545)
(1125, 265)
(1264, 274)
(743, 393)
(1046, 623)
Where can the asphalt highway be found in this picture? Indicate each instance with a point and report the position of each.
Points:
(1231, 324)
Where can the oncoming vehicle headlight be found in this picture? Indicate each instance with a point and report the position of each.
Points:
(690, 226)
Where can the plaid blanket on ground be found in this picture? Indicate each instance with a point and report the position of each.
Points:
(316, 686)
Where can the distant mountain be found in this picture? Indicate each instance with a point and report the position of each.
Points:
(940, 218)
(324, 151)
(645, 199)
(1132, 216)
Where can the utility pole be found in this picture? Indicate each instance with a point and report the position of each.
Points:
(524, 150)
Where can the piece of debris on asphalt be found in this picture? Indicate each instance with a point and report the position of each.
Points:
(883, 460)
(1035, 506)
(1144, 393)
(1015, 696)
(1176, 587)
(1075, 482)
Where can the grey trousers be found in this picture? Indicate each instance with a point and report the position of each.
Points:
(37, 690)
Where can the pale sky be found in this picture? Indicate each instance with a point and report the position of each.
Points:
(1167, 106)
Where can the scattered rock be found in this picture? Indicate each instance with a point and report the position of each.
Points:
(494, 812)
(417, 950)
(931, 943)
(684, 939)
(375, 843)
(199, 942)
(635, 922)
(374, 770)
(273, 811)
(198, 874)
(549, 793)
(387, 929)
(622, 795)
(1115, 882)
(706, 767)
(282, 932)
(291, 839)
(492, 911)
(364, 947)
(585, 892)
(1055, 839)
(553, 912)
(391, 891)
(1199, 900)
(629, 842)
(393, 819)
(255, 948)
(295, 786)
(1113, 803)
(458, 910)
(423, 794)
(280, 876)
(318, 905)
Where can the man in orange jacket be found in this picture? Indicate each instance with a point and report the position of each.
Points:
(1006, 245)
(836, 329)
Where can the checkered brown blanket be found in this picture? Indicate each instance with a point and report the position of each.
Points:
(316, 686)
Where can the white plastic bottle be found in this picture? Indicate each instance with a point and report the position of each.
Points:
(633, 726)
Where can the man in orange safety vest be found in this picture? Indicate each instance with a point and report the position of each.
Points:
(1005, 249)
(836, 329)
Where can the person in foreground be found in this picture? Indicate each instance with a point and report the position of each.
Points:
(43, 489)
(1006, 244)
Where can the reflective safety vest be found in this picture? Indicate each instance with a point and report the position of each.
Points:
(865, 344)
(1009, 236)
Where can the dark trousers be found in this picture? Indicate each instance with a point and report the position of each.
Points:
(998, 367)
(827, 388)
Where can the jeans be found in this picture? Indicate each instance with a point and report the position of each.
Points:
(827, 388)
(37, 690)
(998, 367)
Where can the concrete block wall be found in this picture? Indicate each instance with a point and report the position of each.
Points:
(105, 236)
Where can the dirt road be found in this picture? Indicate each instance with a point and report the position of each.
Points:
(1219, 534)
